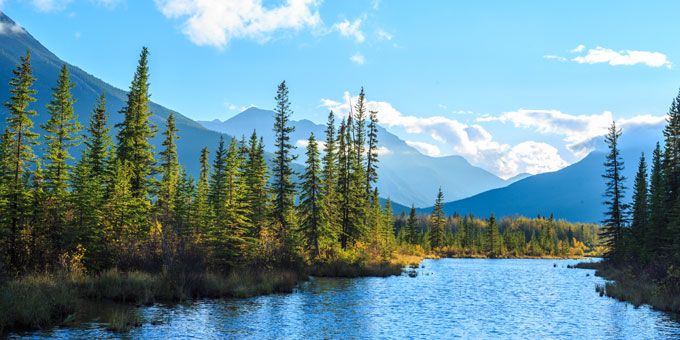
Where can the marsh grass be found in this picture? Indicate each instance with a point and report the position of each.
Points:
(39, 301)
(636, 287)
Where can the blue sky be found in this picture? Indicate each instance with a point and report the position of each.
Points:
(512, 86)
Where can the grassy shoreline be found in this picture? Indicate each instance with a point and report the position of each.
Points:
(45, 300)
(632, 285)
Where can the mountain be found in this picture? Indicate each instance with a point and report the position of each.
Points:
(573, 193)
(405, 175)
(14, 42)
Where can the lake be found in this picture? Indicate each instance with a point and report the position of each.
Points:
(449, 298)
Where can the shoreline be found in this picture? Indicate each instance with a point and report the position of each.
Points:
(48, 300)
(628, 285)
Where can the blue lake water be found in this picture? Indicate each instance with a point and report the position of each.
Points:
(450, 298)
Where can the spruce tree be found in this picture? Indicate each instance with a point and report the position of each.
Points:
(98, 147)
(437, 220)
(20, 142)
(656, 237)
(283, 186)
(170, 171)
(411, 225)
(493, 239)
(640, 219)
(344, 202)
(202, 210)
(329, 178)
(135, 132)
(257, 181)
(61, 134)
(372, 156)
(312, 223)
(616, 208)
(218, 196)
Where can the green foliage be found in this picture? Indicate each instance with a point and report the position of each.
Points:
(616, 213)
(284, 188)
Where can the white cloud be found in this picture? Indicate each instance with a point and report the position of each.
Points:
(600, 55)
(425, 148)
(50, 5)
(383, 151)
(625, 57)
(384, 35)
(578, 130)
(470, 141)
(358, 58)
(578, 49)
(216, 22)
(530, 157)
(8, 28)
(350, 29)
(554, 57)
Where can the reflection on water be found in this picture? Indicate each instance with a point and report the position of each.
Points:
(449, 298)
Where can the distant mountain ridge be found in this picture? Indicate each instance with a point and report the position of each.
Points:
(87, 88)
(405, 175)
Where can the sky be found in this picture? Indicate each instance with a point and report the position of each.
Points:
(514, 87)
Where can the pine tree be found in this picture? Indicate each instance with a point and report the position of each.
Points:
(61, 134)
(411, 231)
(359, 191)
(98, 147)
(640, 221)
(372, 156)
(312, 223)
(87, 198)
(437, 219)
(616, 214)
(218, 195)
(343, 188)
(493, 239)
(170, 172)
(257, 181)
(329, 179)
(284, 188)
(657, 235)
(671, 157)
(20, 142)
(202, 210)
(135, 132)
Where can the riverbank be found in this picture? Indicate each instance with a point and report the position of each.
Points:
(634, 285)
(44, 300)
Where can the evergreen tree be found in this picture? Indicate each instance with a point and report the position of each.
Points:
(20, 141)
(256, 182)
(438, 220)
(312, 223)
(170, 172)
(657, 235)
(61, 134)
(343, 188)
(284, 188)
(411, 231)
(201, 203)
(372, 156)
(616, 214)
(493, 239)
(135, 132)
(329, 178)
(98, 148)
(218, 195)
(640, 220)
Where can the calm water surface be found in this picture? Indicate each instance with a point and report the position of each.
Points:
(450, 298)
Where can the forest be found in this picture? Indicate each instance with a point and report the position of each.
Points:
(124, 222)
(642, 235)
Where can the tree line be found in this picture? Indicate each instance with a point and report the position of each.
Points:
(122, 204)
(644, 232)
(466, 235)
